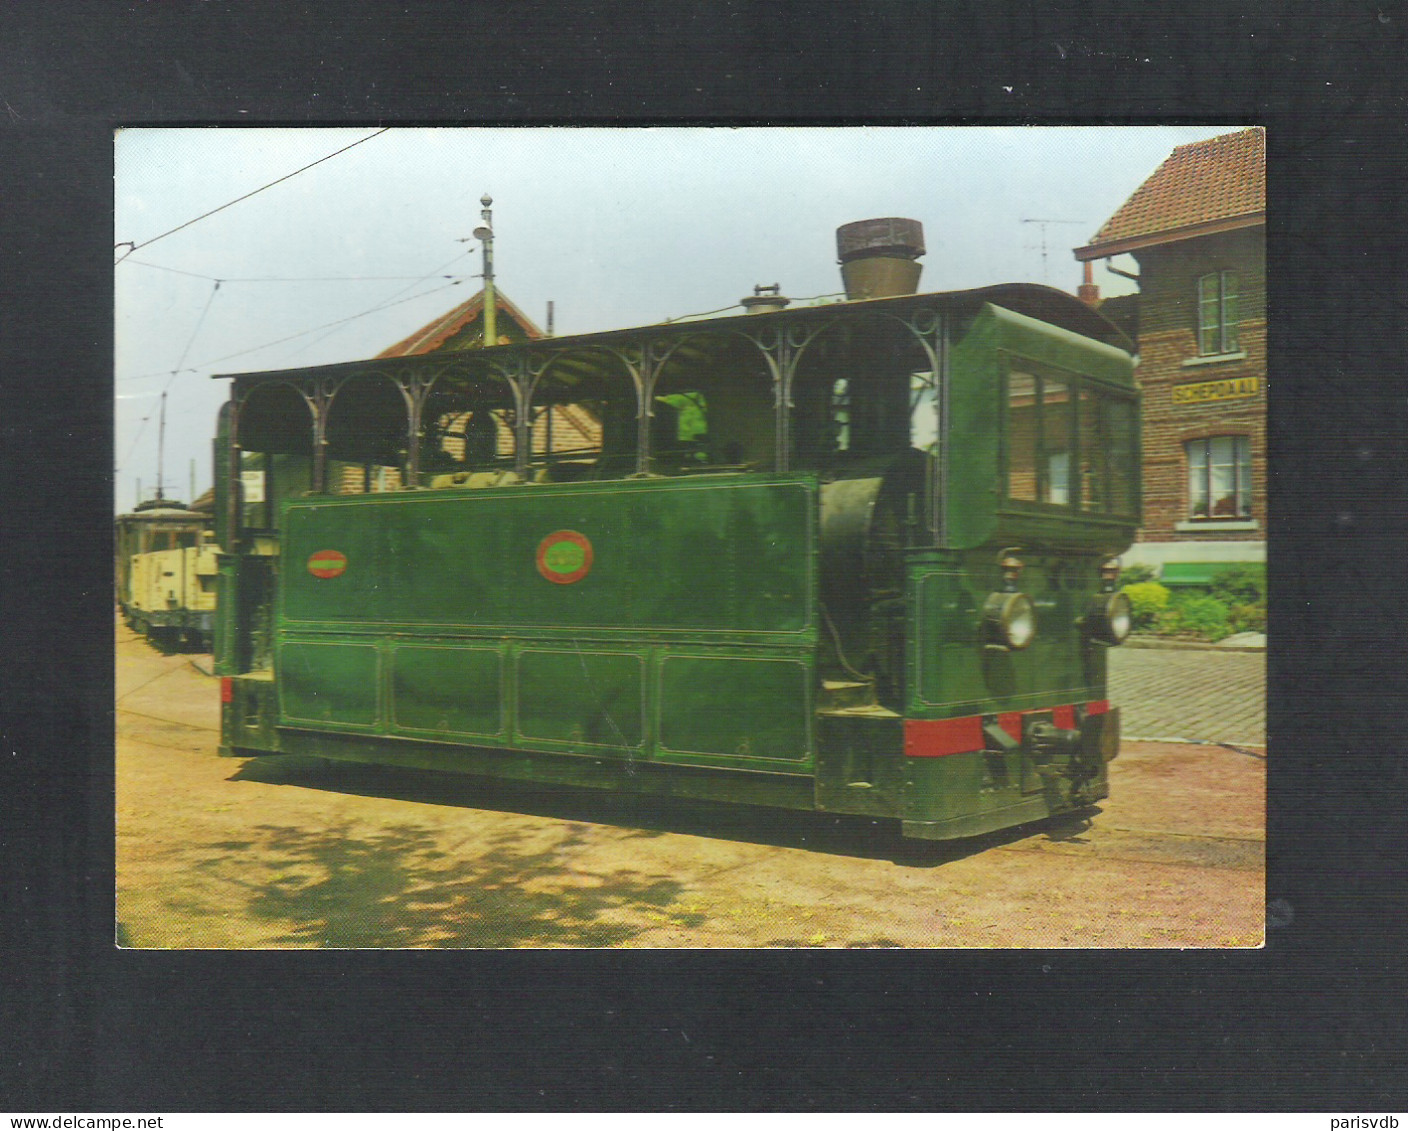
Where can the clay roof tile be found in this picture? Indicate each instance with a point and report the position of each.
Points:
(436, 333)
(1223, 178)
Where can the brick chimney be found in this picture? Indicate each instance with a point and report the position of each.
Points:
(1089, 291)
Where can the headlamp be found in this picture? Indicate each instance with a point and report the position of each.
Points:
(1010, 620)
(1109, 618)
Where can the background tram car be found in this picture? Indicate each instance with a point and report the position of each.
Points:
(166, 572)
(854, 558)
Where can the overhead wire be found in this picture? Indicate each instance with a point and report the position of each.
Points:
(293, 279)
(732, 306)
(456, 280)
(173, 270)
(133, 247)
(325, 325)
(181, 361)
(199, 323)
(351, 279)
(433, 274)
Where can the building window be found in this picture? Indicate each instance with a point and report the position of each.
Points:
(1217, 313)
(1220, 478)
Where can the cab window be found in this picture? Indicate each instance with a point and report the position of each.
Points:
(1069, 443)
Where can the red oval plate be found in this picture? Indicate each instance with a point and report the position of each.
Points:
(327, 563)
(565, 556)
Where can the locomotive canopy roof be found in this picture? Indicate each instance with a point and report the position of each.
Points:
(1046, 304)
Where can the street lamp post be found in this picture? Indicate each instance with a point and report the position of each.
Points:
(485, 234)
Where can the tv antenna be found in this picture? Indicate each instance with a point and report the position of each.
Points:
(1044, 224)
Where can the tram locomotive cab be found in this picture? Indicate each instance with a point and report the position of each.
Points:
(854, 558)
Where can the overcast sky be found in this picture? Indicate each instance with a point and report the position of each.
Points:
(616, 227)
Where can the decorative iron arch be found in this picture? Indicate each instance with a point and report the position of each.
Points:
(540, 362)
(765, 343)
(239, 404)
(305, 389)
(424, 379)
(334, 385)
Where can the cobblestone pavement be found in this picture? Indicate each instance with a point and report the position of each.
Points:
(1199, 695)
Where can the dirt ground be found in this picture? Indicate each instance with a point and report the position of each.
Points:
(234, 853)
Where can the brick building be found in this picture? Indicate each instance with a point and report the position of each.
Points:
(1197, 230)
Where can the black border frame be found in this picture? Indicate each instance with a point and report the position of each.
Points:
(1312, 1022)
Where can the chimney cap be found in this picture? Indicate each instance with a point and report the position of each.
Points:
(893, 236)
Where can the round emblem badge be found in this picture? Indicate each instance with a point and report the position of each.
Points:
(327, 563)
(564, 557)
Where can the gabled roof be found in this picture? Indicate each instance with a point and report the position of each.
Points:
(434, 335)
(1205, 187)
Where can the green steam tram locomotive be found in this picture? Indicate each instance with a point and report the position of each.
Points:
(853, 558)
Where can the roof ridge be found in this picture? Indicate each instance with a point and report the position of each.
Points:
(1217, 180)
(434, 334)
(1219, 137)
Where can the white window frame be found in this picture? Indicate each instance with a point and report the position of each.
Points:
(1217, 314)
(1198, 458)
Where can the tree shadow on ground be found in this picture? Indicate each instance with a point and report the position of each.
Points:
(397, 887)
(645, 815)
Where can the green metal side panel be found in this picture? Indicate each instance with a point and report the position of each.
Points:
(328, 685)
(975, 446)
(728, 557)
(952, 673)
(221, 466)
(447, 691)
(752, 709)
(689, 639)
(225, 634)
(588, 701)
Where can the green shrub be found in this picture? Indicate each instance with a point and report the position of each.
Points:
(1243, 585)
(1137, 575)
(1147, 600)
(1247, 618)
(1204, 617)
